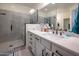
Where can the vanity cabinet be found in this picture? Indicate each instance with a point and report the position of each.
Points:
(43, 47)
(39, 46)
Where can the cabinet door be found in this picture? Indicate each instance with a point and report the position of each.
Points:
(39, 49)
(61, 52)
(33, 45)
(46, 43)
(27, 39)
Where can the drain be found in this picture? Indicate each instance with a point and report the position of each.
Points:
(10, 45)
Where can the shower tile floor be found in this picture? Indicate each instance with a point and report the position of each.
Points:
(22, 51)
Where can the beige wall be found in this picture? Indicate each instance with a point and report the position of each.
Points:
(61, 14)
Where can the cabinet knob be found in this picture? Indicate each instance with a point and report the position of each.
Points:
(47, 54)
(36, 38)
(30, 38)
(30, 34)
(30, 42)
(52, 53)
(43, 52)
(11, 27)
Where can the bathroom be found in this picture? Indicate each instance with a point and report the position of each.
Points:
(40, 20)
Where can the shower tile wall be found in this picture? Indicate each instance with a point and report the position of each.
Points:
(17, 20)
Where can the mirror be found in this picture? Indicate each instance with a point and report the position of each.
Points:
(58, 13)
(46, 15)
(55, 13)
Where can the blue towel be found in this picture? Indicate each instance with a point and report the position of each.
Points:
(75, 28)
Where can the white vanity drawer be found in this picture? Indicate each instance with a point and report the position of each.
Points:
(61, 52)
(37, 38)
(46, 43)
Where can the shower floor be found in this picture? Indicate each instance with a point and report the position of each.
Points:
(22, 51)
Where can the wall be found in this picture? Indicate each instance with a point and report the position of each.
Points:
(62, 13)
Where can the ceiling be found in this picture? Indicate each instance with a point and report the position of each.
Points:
(51, 6)
(43, 6)
(30, 5)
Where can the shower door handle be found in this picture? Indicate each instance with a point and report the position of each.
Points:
(11, 27)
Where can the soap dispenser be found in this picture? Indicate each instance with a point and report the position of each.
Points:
(60, 31)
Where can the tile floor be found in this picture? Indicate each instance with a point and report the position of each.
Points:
(23, 51)
(19, 51)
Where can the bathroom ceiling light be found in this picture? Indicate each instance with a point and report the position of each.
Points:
(32, 11)
(52, 3)
(45, 3)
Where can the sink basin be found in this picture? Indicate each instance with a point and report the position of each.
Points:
(46, 33)
(51, 35)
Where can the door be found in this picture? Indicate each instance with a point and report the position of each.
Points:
(11, 30)
(66, 23)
